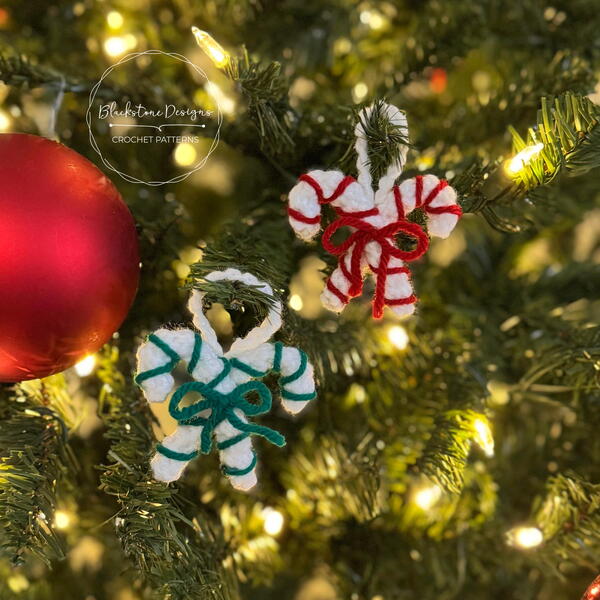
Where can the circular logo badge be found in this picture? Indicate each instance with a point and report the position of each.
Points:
(169, 124)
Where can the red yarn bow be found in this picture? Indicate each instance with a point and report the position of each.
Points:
(384, 236)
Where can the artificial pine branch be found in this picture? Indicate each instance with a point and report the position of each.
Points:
(265, 91)
(333, 482)
(177, 554)
(569, 517)
(569, 367)
(257, 556)
(19, 71)
(569, 129)
(34, 461)
(248, 245)
(338, 349)
(445, 455)
(385, 140)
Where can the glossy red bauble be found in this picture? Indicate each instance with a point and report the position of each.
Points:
(69, 262)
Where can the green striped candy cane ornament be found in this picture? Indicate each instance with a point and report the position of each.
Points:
(228, 385)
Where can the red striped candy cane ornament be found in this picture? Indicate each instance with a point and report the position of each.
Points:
(374, 218)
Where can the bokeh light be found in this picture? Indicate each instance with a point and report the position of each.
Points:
(86, 366)
(273, 521)
(114, 19)
(185, 154)
(398, 336)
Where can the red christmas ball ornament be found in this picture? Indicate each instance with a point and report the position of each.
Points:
(69, 262)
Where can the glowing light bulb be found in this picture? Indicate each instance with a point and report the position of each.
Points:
(499, 392)
(522, 158)
(61, 519)
(273, 521)
(130, 41)
(4, 121)
(115, 19)
(359, 91)
(295, 302)
(427, 496)
(373, 19)
(526, 537)
(115, 46)
(483, 435)
(86, 365)
(398, 336)
(211, 47)
(226, 104)
(185, 154)
(17, 583)
(342, 46)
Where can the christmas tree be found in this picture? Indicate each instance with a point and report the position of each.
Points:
(453, 454)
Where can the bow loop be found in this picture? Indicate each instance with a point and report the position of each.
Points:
(264, 396)
(413, 230)
(338, 250)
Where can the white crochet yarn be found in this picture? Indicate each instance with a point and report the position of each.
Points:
(350, 196)
(248, 359)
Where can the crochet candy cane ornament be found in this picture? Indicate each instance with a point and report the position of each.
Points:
(224, 381)
(374, 217)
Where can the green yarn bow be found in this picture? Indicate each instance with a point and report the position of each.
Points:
(222, 408)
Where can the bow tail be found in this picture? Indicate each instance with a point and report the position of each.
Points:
(381, 275)
(206, 435)
(354, 275)
(354, 244)
(253, 429)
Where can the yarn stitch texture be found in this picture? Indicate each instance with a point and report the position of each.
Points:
(375, 217)
(225, 383)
